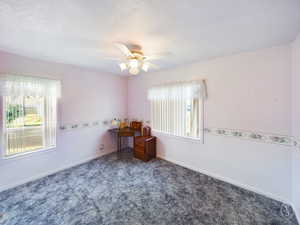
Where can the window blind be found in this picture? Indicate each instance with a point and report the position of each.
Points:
(176, 108)
(30, 106)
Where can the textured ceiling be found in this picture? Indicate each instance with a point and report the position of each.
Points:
(82, 32)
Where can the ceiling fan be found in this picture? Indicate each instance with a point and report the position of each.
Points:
(135, 60)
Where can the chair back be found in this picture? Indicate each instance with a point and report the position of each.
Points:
(136, 125)
(146, 131)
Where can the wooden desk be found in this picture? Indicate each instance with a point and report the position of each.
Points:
(124, 132)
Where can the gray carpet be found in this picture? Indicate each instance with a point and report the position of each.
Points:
(118, 189)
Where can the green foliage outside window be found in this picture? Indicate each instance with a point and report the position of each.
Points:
(14, 112)
(26, 114)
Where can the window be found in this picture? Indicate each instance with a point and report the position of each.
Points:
(29, 108)
(177, 108)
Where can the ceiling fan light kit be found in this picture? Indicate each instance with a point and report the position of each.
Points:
(134, 70)
(135, 60)
(134, 66)
(145, 66)
(123, 66)
(133, 63)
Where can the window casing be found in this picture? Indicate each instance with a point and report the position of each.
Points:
(177, 108)
(29, 117)
(29, 124)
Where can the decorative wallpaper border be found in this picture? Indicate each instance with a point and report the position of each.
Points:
(255, 136)
(80, 125)
(296, 142)
(226, 132)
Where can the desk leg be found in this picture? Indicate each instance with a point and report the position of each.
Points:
(119, 143)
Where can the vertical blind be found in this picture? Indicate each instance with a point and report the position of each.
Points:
(176, 108)
(30, 106)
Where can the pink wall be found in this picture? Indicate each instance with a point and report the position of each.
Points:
(246, 91)
(249, 91)
(296, 122)
(86, 96)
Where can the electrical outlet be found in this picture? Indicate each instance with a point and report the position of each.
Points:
(101, 148)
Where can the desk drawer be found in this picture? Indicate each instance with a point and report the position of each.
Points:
(126, 134)
(139, 149)
(140, 155)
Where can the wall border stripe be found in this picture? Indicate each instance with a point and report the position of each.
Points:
(256, 136)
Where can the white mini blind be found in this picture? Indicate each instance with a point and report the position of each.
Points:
(30, 113)
(16, 85)
(176, 108)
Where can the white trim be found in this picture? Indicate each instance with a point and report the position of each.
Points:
(41, 175)
(202, 121)
(177, 137)
(229, 180)
(2, 128)
(23, 154)
(4, 138)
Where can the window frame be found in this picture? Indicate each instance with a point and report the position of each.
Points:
(189, 138)
(4, 135)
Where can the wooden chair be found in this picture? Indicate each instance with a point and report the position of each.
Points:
(145, 145)
(136, 126)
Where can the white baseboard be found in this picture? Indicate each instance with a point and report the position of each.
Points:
(41, 175)
(216, 176)
(228, 180)
(233, 182)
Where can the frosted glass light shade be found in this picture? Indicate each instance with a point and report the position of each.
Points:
(145, 67)
(134, 70)
(133, 63)
(123, 66)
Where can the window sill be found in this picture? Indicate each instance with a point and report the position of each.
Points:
(181, 138)
(29, 154)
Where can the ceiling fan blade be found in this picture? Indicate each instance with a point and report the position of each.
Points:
(153, 65)
(110, 58)
(147, 65)
(124, 49)
(95, 53)
(157, 56)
